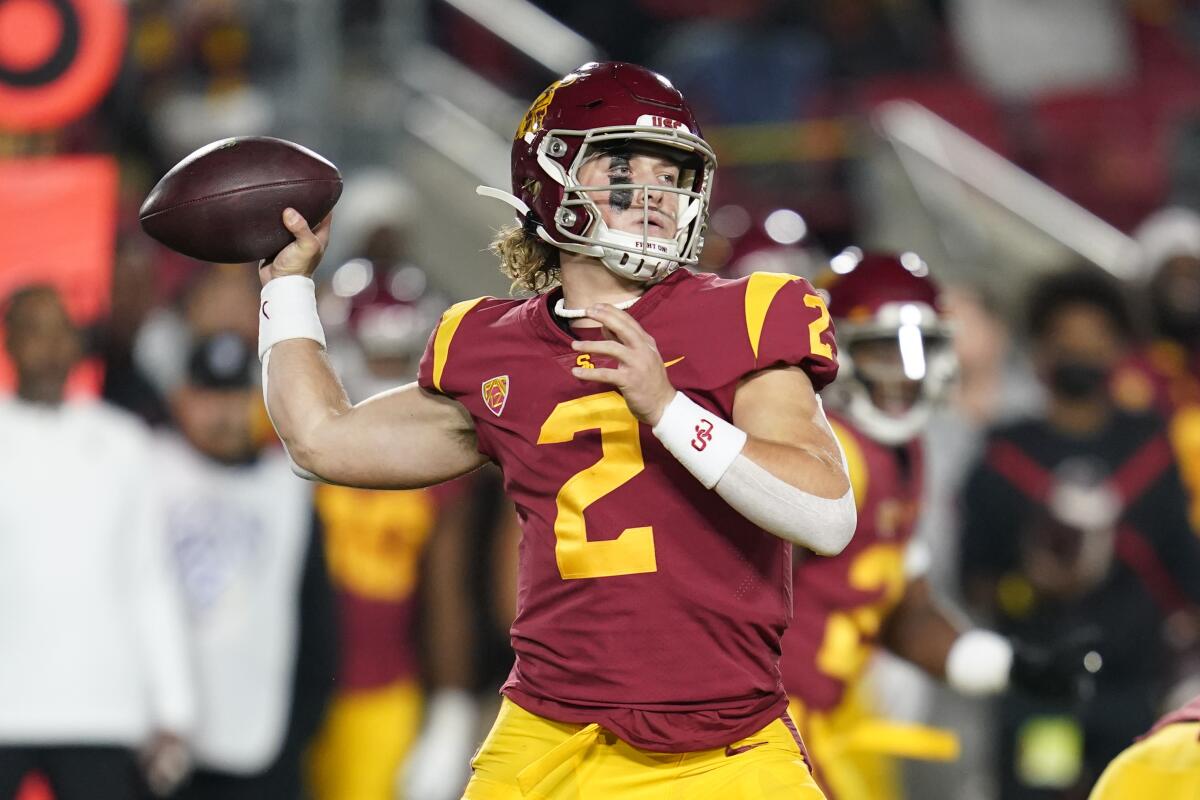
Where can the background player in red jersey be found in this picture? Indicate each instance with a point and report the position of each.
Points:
(897, 365)
(651, 600)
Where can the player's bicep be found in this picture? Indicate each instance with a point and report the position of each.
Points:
(404, 438)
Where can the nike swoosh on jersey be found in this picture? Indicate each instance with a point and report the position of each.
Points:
(730, 750)
(674, 361)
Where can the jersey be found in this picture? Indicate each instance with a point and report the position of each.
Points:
(645, 603)
(1163, 764)
(373, 545)
(844, 600)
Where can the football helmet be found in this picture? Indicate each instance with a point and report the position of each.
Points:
(895, 352)
(388, 310)
(596, 108)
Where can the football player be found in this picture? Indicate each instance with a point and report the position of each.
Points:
(379, 546)
(1164, 764)
(659, 432)
(897, 364)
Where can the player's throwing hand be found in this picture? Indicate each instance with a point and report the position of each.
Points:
(301, 256)
(641, 376)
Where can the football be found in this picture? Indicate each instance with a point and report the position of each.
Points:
(224, 202)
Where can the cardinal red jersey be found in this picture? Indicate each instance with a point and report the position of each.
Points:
(841, 602)
(645, 603)
(374, 542)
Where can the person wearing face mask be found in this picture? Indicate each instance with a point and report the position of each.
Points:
(1076, 521)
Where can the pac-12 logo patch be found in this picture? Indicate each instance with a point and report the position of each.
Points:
(495, 393)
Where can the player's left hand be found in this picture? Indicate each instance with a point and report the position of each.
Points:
(640, 376)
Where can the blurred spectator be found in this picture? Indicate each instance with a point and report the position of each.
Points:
(995, 385)
(874, 37)
(719, 65)
(216, 298)
(1020, 49)
(248, 552)
(1072, 520)
(1165, 375)
(377, 544)
(95, 663)
(125, 383)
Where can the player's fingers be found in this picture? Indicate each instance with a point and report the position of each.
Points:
(295, 222)
(598, 375)
(623, 326)
(605, 347)
(323, 229)
(307, 242)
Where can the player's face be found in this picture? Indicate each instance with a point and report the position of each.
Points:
(879, 364)
(629, 209)
(216, 422)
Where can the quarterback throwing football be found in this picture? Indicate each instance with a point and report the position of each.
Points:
(659, 432)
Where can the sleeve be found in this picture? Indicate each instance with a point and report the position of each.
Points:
(159, 607)
(431, 374)
(788, 324)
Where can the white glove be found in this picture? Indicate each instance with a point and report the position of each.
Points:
(440, 762)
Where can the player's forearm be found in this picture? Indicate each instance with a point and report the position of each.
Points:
(920, 631)
(808, 467)
(715, 451)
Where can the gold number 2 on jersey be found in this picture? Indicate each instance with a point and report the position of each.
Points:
(621, 459)
(818, 326)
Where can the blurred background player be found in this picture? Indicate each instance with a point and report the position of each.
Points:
(95, 665)
(1164, 764)
(1164, 375)
(248, 558)
(897, 367)
(1078, 518)
(380, 546)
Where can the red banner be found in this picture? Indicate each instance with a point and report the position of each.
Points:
(58, 225)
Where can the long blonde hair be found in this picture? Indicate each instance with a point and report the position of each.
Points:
(529, 262)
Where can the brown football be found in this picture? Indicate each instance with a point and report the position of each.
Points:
(225, 201)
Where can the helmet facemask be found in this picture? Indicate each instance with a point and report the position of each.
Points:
(635, 256)
(896, 370)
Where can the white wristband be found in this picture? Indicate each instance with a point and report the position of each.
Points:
(979, 663)
(288, 310)
(700, 439)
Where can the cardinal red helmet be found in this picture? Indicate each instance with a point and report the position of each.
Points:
(894, 342)
(389, 310)
(594, 108)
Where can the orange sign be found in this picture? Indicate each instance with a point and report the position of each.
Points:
(57, 59)
(58, 225)
(495, 393)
